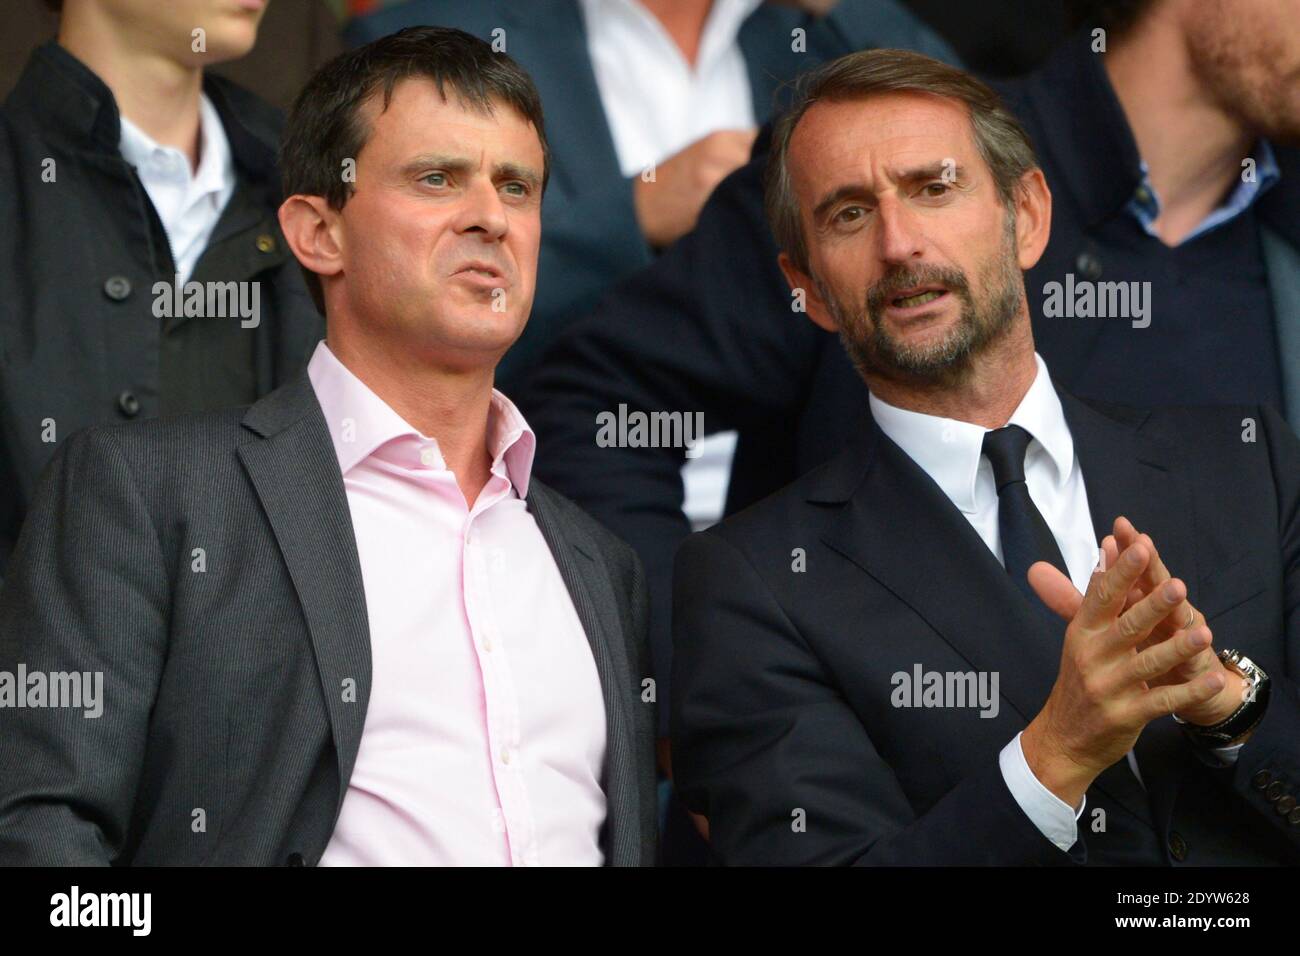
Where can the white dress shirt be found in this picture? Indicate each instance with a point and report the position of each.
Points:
(656, 104)
(188, 203)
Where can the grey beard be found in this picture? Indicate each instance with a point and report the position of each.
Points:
(951, 360)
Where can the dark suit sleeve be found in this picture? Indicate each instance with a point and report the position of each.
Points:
(85, 592)
(708, 328)
(763, 742)
(1274, 747)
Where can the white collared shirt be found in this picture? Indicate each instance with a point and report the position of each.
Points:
(656, 104)
(189, 204)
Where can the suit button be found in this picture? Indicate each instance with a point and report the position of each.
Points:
(1293, 817)
(1177, 846)
(266, 243)
(1089, 265)
(128, 404)
(117, 288)
(1274, 791)
(1285, 805)
(1261, 780)
(293, 859)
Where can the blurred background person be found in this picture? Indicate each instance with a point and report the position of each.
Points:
(128, 166)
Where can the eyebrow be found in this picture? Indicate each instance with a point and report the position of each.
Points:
(461, 164)
(916, 174)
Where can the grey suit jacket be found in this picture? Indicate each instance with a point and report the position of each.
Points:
(226, 735)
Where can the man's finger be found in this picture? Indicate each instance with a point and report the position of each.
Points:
(1107, 589)
(1171, 698)
(1160, 659)
(1054, 589)
(1138, 621)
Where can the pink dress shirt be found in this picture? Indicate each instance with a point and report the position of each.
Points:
(484, 738)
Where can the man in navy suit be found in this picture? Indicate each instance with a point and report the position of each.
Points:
(866, 667)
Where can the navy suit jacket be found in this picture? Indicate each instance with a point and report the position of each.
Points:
(784, 672)
(590, 235)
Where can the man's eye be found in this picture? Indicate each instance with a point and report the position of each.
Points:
(850, 214)
(436, 179)
(518, 189)
(934, 190)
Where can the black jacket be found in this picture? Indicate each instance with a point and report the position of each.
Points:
(709, 328)
(784, 673)
(80, 252)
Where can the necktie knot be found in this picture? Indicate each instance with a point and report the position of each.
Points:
(1005, 450)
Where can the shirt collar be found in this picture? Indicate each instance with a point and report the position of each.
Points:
(950, 451)
(1145, 204)
(216, 166)
(361, 425)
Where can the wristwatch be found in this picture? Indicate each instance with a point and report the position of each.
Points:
(1242, 720)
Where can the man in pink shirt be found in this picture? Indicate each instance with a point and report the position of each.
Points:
(349, 628)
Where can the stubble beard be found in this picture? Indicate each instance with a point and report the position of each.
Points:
(949, 361)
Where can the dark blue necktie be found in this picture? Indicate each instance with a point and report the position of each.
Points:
(1026, 538)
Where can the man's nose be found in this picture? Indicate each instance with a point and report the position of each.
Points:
(482, 211)
(899, 234)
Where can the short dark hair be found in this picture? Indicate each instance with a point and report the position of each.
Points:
(1001, 140)
(325, 126)
(55, 6)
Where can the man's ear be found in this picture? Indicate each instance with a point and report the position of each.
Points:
(803, 288)
(1033, 218)
(311, 228)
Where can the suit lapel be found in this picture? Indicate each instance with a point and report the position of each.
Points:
(593, 597)
(295, 473)
(897, 525)
(900, 528)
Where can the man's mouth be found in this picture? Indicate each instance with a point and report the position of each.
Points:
(479, 269)
(911, 299)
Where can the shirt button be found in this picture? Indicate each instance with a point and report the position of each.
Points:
(487, 644)
(1089, 265)
(429, 457)
(128, 404)
(505, 755)
(1177, 846)
(117, 288)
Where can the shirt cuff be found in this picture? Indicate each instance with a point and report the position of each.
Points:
(1052, 815)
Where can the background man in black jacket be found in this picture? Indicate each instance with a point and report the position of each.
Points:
(864, 670)
(127, 167)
